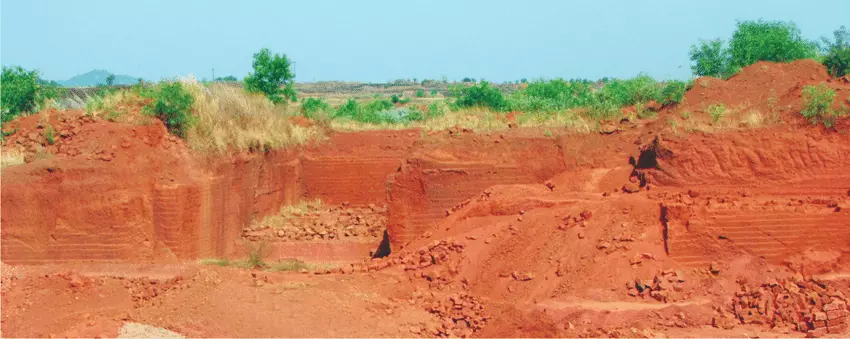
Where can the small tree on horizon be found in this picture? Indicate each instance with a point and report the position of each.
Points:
(710, 58)
(271, 72)
(110, 80)
(837, 52)
(753, 41)
(228, 78)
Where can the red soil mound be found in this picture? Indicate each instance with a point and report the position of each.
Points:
(771, 89)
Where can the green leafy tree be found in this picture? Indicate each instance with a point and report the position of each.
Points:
(110, 80)
(271, 72)
(21, 92)
(710, 58)
(753, 41)
(837, 53)
(761, 40)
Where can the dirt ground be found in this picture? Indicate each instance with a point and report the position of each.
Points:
(729, 230)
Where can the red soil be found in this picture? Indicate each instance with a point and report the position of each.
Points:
(765, 87)
(634, 233)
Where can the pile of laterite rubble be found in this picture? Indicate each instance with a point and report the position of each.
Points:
(334, 223)
(47, 138)
(794, 304)
(461, 315)
(666, 286)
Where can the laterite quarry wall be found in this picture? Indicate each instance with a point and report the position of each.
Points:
(771, 194)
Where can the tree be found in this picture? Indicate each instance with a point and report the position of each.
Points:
(710, 58)
(753, 41)
(110, 80)
(761, 40)
(837, 53)
(21, 92)
(271, 71)
(228, 78)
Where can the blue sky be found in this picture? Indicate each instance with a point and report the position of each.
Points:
(383, 40)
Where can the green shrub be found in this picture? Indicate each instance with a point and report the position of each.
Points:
(479, 95)
(311, 106)
(435, 110)
(673, 92)
(49, 135)
(350, 109)
(603, 110)
(837, 53)
(627, 92)
(270, 73)
(21, 92)
(400, 115)
(761, 40)
(816, 104)
(433, 92)
(553, 95)
(545, 97)
(420, 93)
(395, 99)
(378, 111)
(716, 112)
(172, 104)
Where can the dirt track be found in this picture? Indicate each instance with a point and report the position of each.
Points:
(642, 232)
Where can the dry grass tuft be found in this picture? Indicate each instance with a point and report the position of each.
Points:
(11, 157)
(229, 117)
(478, 119)
(485, 120)
(282, 265)
(301, 208)
(351, 125)
(122, 106)
(569, 119)
(753, 119)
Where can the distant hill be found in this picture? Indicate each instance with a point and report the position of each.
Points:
(97, 77)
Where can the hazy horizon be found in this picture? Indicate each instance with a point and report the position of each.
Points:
(379, 41)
